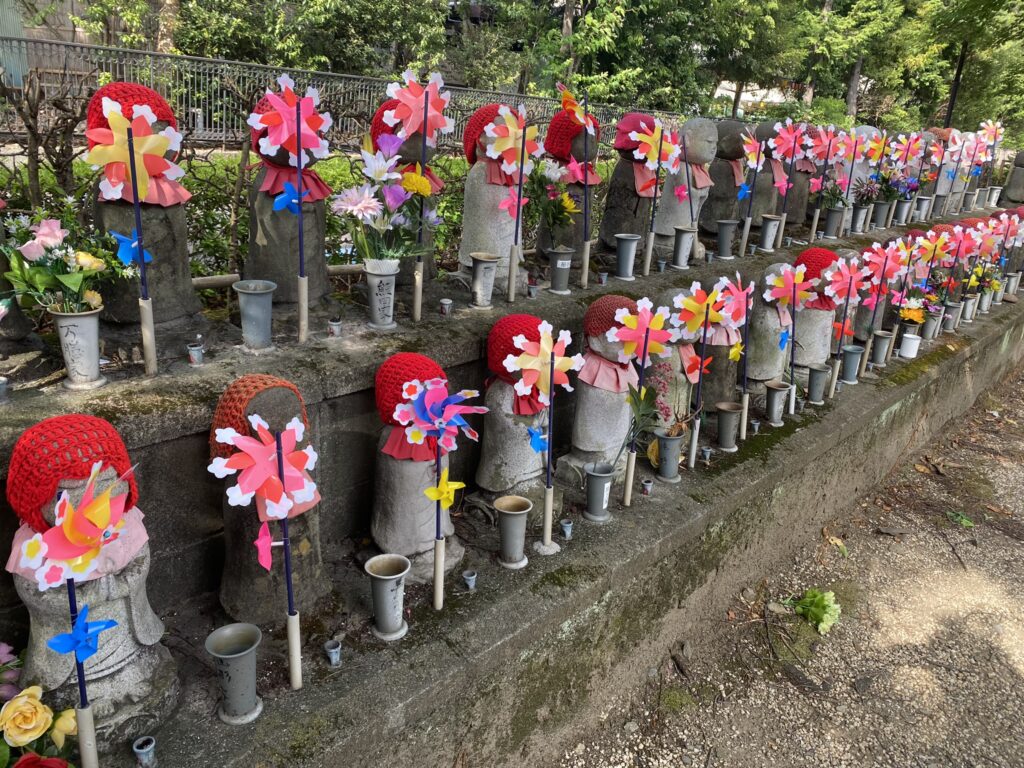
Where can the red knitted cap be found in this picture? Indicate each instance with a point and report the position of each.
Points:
(816, 260)
(233, 404)
(940, 228)
(499, 342)
(942, 134)
(631, 121)
(377, 125)
(127, 95)
(61, 448)
(262, 107)
(913, 234)
(971, 222)
(600, 315)
(561, 131)
(475, 126)
(396, 371)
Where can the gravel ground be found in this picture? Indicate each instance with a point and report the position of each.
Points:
(924, 667)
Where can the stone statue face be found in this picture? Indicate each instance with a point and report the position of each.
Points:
(576, 148)
(411, 149)
(701, 137)
(730, 139)
(76, 488)
(277, 406)
(609, 350)
(765, 131)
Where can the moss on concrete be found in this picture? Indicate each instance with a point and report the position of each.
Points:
(925, 363)
(675, 699)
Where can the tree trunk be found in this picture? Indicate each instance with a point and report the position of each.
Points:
(853, 87)
(568, 16)
(736, 98)
(954, 89)
(167, 22)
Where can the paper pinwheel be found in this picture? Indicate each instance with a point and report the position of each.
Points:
(744, 191)
(409, 112)
(781, 286)
(951, 174)
(816, 183)
(783, 185)
(906, 149)
(649, 142)
(282, 130)
(432, 413)
(504, 137)
(823, 146)
(257, 465)
(682, 192)
(963, 243)
(937, 153)
(991, 131)
(976, 170)
(632, 329)
(69, 549)
(736, 298)
(954, 146)
(736, 351)
(698, 364)
(842, 329)
(288, 200)
(263, 543)
(84, 638)
(788, 142)
(877, 148)
(110, 151)
(538, 439)
(753, 151)
(128, 248)
(931, 249)
(784, 337)
(694, 304)
(575, 110)
(535, 362)
(513, 203)
(882, 264)
(444, 491)
(850, 148)
(845, 279)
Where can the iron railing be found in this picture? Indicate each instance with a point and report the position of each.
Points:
(212, 98)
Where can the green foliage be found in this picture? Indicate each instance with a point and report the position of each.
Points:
(959, 518)
(820, 609)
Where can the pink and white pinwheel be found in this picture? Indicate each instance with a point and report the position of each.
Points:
(906, 150)
(537, 359)
(823, 144)
(737, 299)
(512, 204)
(883, 264)
(788, 142)
(991, 131)
(937, 152)
(850, 148)
(694, 304)
(954, 146)
(989, 241)
(963, 243)
(975, 150)
(408, 115)
(264, 541)
(110, 151)
(632, 329)
(783, 284)
(256, 463)
(281, 128)
(877, 147)
(504, 137)
(753, 151)
(844, 280)
(650, 140)
(429, 411)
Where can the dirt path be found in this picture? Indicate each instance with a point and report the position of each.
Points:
(926, 664)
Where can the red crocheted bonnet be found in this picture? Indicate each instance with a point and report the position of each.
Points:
(971, 222)
(127, 95)
(377, 125)
(631, 121)
(943, 228)
(816, 260)
(232, 406)
(913, 234)
(600, 315)
(395, 372)
(561, 131)
(61, 448)
(475, 126)
(499, 342)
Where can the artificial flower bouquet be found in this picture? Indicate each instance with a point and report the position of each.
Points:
(33, 736)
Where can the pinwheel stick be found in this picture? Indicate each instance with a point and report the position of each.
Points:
(839, 342)
(745, 398)
(785, 201)
(83, 712)
(627, 494)
(145, 303)
(303, 280)
(417, 290)
(938, 178)
(970, 168)
(585, 263)
(821, 192)
(691, 459)
(689, 198)
(438, 537)
(792, 354)
(952, 181)
(294, 638)
(649, 245)
(883, 286)
(513, 256)
(748, 218)
(549, 490)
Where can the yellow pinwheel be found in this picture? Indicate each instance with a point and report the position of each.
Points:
(736, 351)
(535, 362)
(444, 491)
(505, 136)
(110, 151)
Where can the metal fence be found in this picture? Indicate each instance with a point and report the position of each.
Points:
(212, 98)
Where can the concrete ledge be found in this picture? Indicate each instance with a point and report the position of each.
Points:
(506, 675)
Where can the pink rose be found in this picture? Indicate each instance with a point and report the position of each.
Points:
(32, 250)
(49, 234)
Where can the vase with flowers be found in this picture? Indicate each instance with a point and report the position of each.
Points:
(865, 193)
(57, 270)
(384, 218)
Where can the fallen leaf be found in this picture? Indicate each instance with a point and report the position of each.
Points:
(923, 469)
(838, 543)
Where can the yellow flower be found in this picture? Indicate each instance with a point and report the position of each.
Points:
(569, 205)
(93, 299)
(416, 183)
(913, 314)
(87, 261)
(65, 725)
(25, 718)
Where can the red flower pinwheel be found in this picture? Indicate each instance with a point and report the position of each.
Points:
(845, 279)
(963, 244)
(698, 364)
(431, 412)
(788, 142)
(954, 146)
(576, 111)
(280, 126)
(753, 150)
(988, 241)
(649, 142)
(259, 475)
(781, 286)
(905, 150)
(535, 362)
(930, 251)
(842, 329)
(876, 148)
(505, 136)
(409, 112)
(883, 265)
(937, 152)
(850, 148)
(737, 299)
(632, 329)
(823, 146)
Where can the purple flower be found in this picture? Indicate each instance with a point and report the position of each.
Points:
(431, 218)
(10, 675)
(7, 654)
(388, 143)
(394, 196)
(8, 691)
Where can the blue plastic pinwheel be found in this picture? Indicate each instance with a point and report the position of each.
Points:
(744, 192)
(289, 199)
(976, 170)
(784, 338)
(873, 177)
(128, 248)
(538, 440)
(83, 639)
(951, 174)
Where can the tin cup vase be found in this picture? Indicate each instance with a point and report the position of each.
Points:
(513, 513)
(233, 648)
(387, 590)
